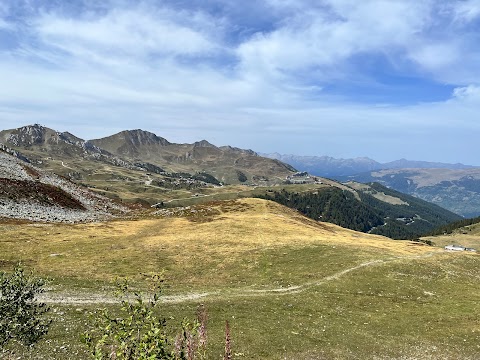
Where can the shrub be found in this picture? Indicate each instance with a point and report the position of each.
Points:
(21, 316)
(241, 176)
(141, 334)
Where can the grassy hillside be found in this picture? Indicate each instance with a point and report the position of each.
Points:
(291, 287)
(228, 164)
(461, 226)
(138, 166)
(368, 208)
(447, 188)
(466, 235)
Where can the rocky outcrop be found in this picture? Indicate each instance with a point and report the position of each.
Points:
(29, 193)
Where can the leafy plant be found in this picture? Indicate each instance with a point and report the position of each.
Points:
(141, 334)
(21, 317)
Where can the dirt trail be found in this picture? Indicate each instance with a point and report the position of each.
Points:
(65, 166)
(97, 298)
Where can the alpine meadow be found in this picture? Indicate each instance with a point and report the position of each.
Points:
(278, 180)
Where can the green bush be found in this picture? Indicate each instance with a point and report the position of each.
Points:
(21, 316)
(139, 333)
(241, 176)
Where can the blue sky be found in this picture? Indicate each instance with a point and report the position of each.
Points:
(345, 78)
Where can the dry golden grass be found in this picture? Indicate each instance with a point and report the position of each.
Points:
(378, 195)
(242, 229)
(292, 287)
(466, 240)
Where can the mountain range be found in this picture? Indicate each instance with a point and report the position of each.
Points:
(140, 167)
(144, 151)
(455, 187)
(224, 162)
(30, 193)
(332, 167)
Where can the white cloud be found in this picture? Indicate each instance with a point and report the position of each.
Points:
(4, 8)
(132, 32)
(326, 38)
(467, 10)
(468, 93)
(5, 25)
(437, 56)
(329, 36)
(200, 75)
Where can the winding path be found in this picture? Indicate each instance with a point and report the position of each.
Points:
(97, 298)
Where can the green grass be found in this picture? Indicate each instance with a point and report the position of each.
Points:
(357, 297)
(468, 236)
(405, 309)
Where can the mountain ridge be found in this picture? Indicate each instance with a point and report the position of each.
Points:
(197, 156)
(457, 190)
(101, 163)
(332, 167)
(132, 140)
(370, 208)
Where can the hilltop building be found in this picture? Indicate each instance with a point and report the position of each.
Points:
(302, 178)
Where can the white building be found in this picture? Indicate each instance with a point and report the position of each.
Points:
(454, 248)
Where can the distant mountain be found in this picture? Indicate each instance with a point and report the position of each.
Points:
(226, 163)
(455, 190)
(370, 208)
(139, 166)
(412, 164)
(37, 137)
(131, 143)
(327, 166)
(331, 167)
(40, 143)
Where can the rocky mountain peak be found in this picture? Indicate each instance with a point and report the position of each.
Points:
(203, 143)
(70, 138)
(140, 137)
(248, 152)
(28, 135)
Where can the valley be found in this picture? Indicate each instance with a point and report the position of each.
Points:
(455, 187)
(291, 285)
(258, 180)
(455, 190)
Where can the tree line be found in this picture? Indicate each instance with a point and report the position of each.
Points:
(369, 214)
(450, 228)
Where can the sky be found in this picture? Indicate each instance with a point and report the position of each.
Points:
(386, 79)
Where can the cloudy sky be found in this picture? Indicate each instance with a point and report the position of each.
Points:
(386, 79)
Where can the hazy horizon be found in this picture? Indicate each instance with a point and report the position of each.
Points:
(341, 78)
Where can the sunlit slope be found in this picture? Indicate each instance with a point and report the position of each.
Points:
(447, 188)
(468, 236)
(226, 163)
(233, 243)
(290, 287)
